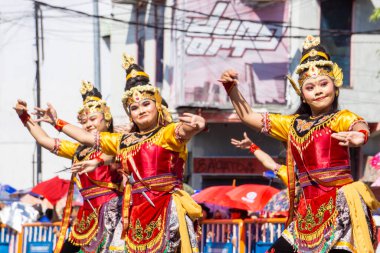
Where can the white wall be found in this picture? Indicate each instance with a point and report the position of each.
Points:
(122, 41)
(68, 52)
(363, 95)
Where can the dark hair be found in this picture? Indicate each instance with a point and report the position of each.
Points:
(135, 80)
(318, 48)
(134, 128)
(304, 108)
(110, 127)
(164, 103)
(92, 93)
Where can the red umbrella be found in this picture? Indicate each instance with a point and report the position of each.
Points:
(216, 195)
(253, 196)
(212, 194)
(53, 189)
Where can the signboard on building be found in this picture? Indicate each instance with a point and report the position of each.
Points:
(212, 36)
(228, 165)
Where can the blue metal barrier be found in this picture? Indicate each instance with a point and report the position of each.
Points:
(4, 247)
(39, 236)
(8, 239)
(222, 236)
(262, 232)
(34, 238)
(39, 247)
(218, 247)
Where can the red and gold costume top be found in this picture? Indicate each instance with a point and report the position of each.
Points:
(323, 166)
(156, 160)
(96, 187)
(318, 156)
(154, 153)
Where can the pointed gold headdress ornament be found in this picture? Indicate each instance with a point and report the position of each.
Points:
(93, 102)
(315, 62)
(137, 88)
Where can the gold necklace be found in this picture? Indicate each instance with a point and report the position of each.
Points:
(315, 117)
(149, 131)
(318, 116)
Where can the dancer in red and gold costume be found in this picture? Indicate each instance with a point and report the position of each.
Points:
(333, 214)
(98, 223)
(158, 216)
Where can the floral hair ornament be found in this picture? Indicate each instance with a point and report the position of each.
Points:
(315, 62)
(93, 102)
(375, 161)
(138, 88)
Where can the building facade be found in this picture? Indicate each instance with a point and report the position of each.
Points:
(262, 40)
(184, 46)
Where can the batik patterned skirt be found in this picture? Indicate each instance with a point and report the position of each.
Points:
(108, 237)
(337, 235)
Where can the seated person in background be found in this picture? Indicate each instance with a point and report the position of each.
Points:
(238, 214)
(217, 215)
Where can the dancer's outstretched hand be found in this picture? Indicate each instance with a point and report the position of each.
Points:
(245, 143)
(350, 138)
(229, 76)
(193, 120)
(125, 129)
(20, 106)
(48, 115)
(84, 167)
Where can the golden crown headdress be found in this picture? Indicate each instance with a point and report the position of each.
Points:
(92, 102)
(315, 62)
(138, 88)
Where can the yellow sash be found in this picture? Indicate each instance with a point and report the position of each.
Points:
(186, 205)
(66, 216)
(360, 231)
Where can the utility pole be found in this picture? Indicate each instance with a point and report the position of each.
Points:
(38, 86)
(97, 46)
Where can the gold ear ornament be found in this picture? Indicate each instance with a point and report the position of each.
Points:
(293, 83)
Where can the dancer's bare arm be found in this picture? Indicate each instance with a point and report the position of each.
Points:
(243, 109)
(49, 115)
(91, 165)
(35, 130)
(262, 156)
(357, 137)
(191, 125)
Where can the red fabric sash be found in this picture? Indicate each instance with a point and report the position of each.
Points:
(85, 227)
(148, 226)
(335, 176)
(315, 220)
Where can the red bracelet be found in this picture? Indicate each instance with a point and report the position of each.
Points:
(59, 124)
(228, 86)
(24, 116)
(253, 148)
(100, 161)
(365, 132)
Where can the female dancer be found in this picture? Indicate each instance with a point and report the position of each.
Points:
(96, 222)
(158, 215)
(333, 213)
